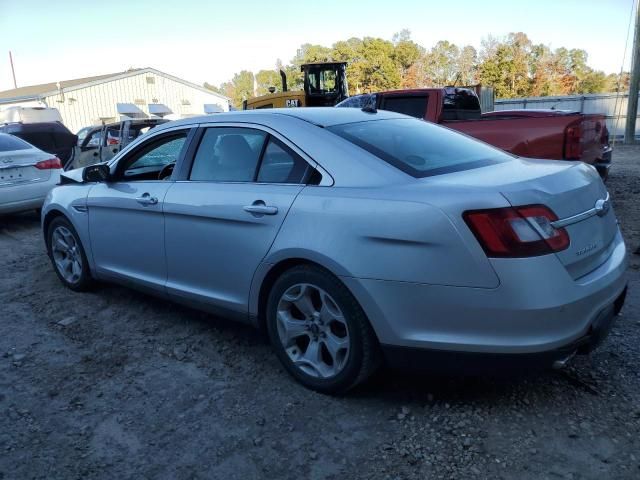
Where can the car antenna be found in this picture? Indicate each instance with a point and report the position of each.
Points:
(370, 107)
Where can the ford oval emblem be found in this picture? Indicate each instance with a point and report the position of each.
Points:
(602, 207)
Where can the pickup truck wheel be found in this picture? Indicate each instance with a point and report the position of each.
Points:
(67, 255)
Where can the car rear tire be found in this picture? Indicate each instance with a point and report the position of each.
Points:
(67, 255)
(319, 331)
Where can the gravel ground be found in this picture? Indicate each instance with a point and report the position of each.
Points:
(116, 384)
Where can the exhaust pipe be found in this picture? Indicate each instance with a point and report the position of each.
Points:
(561, 363)
(283, 76)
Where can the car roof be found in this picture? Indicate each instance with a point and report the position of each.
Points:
(321, 116)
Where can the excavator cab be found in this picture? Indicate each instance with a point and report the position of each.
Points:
(325, 85)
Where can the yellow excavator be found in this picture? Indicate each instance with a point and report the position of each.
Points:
(325, 84)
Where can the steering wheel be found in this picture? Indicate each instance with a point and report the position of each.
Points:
(167, 170)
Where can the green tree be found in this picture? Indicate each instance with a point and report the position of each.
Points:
(379, 70)
(507, 66)
(440, 64)
(406, 54)
(467, 65)
(239, 88)
(594, 81)
(351, 51)
(513, 65)
(266, 79)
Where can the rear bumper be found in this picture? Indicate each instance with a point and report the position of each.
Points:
(538, 308)
(26, 196)
(442, 361)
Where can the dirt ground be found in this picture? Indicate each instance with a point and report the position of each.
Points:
(117, 384)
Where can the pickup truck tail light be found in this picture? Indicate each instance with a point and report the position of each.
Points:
(515, 232)
(573, 141)
(49, 164)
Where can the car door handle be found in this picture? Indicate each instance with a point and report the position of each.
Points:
(259, 208)
(147, 199)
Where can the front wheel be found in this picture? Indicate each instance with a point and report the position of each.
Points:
(319, 331)
(67, 255)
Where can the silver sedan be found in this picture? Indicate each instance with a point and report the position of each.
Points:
(352, 238)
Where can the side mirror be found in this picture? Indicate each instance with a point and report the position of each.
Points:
(96, 173)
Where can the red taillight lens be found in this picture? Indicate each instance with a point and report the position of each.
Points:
(112, 141)
(517, 231)
(49, 164)
(573, 142)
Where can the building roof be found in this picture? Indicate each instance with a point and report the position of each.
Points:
(35, 92)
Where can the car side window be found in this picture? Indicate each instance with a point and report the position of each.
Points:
(228, 154)
(281, 165)
(94, 139)
(148, 161)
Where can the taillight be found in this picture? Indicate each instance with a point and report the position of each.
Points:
(573, 142)
(112, 141)
(49, 164)
(517, 231)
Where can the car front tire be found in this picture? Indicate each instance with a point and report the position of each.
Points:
(67, 255)
(319, 332)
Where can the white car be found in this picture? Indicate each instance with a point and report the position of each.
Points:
(27, 174)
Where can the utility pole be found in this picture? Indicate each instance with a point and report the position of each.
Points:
(13, 72)
(634, 84)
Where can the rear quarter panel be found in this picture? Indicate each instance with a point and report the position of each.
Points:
(366, 234)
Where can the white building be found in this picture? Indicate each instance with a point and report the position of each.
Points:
(88, 101)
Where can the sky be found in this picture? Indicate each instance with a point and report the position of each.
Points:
(209, 41)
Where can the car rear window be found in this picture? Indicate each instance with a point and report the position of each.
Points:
(419, 148)
(9, 143)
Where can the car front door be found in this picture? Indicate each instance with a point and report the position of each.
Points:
(88, 151)
(126, 222)
(111, 144)
(223, 217)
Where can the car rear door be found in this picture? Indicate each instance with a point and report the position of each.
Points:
(126, 221)
(223, 217)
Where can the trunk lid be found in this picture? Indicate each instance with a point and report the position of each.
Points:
(17, 167)
(573, 194)
(567, 188)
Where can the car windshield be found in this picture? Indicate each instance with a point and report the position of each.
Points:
(419, 148)
(9, 143)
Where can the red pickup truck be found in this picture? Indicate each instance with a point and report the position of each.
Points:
(551, 134)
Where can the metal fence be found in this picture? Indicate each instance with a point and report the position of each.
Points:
(613, 106)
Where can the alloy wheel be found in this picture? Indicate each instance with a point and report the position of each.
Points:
(313, 330)
(66, 254)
